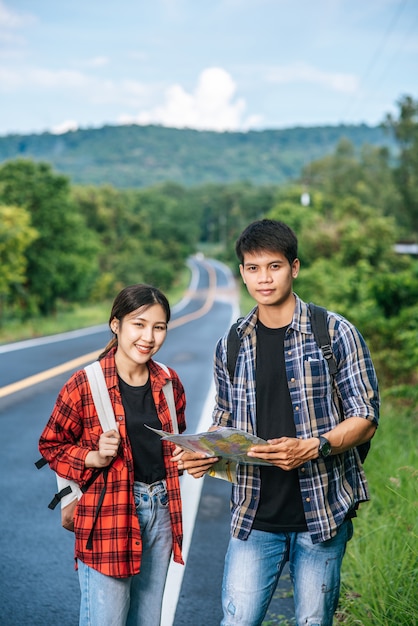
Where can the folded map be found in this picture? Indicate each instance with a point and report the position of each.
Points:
(228, 443)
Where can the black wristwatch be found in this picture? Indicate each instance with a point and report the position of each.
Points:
(324, 448)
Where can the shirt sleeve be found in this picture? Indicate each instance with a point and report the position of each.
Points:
(356, 377)
(222, 412)
(61, 442)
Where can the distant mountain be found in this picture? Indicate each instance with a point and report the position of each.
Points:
(142, 156)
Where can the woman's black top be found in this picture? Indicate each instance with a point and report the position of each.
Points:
(146, 446)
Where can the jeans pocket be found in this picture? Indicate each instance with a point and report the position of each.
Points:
(141, 500)
(163, 499)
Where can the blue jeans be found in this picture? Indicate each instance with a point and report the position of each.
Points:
(137, 600)
(253, 568)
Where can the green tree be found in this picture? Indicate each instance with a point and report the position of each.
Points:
(108, 212)
(366, 175)
(16, 235)
(145, 235)
(405, 129)
(61, 261)
(350, 266)
(167, 215)
(225, 210)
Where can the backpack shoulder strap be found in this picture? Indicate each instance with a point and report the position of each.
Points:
(232, 349)
(169, 396)
(101, 397)
(321, 333)
(322, 338)
(101, 401)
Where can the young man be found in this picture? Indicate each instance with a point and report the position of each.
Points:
(299, 508)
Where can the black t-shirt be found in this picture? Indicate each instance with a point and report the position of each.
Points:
(280, 508)
(146, 446)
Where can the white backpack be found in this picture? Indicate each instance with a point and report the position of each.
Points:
(68, 491)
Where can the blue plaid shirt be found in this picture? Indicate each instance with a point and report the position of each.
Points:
(330, 487)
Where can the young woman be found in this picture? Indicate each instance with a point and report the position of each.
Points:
(122, 574)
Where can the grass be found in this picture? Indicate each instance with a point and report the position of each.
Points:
(74, 316)
(380, 569)
(68, 317)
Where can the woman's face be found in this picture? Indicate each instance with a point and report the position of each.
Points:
(140, 334)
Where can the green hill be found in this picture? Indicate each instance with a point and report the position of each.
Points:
(142, 156)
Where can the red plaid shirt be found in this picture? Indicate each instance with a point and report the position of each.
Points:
(72, 431)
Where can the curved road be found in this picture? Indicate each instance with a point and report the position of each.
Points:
(38, 584)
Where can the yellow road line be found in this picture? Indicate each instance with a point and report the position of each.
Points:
(211, 292)
(86, 358)
(53, 371)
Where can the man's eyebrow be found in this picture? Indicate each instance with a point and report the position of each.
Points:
(269, 262)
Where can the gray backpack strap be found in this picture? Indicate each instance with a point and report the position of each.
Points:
(102, 402)
(101, 398)
(106, 415)
(68, 490)
(320, 330)
(169, 396)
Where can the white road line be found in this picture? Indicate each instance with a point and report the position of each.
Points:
(190, 487)
(41, 341)
(91, 330)
(190, 490)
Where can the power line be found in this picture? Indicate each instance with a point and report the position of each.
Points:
(386, 36)
(377, 53)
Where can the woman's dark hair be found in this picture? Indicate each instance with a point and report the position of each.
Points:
(268, 235)
(132, 298)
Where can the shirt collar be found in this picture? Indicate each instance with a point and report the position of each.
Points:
(301, 321)
(158, 375)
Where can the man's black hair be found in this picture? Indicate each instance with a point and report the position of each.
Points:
(270, 235)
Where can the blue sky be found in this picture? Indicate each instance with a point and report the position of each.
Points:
(205, 64)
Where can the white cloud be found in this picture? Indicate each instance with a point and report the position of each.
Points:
(64, 127)
(304, 73)
(211, 106)
(11, 19)
(11, 23)
(88, 86)
(9, 81)
(60, 78)
(41, 78)
(99, 61)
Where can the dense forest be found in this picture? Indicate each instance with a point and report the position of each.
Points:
(61, 242)
(142, 156)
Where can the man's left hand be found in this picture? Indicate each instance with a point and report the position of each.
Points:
(288, 453)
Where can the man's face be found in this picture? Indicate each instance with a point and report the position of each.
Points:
(269, 277)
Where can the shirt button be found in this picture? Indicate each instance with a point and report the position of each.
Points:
(289, 352)
(137, 543)
(308, 499)
(292, 380)
(120, 418)
(302, 469)
(296, 408)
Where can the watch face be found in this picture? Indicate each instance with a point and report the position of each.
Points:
(324, 447)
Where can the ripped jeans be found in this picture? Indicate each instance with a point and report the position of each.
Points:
(253, 568)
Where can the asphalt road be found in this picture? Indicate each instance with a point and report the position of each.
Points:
(39, 586)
